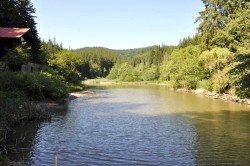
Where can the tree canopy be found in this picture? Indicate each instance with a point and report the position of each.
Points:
(215, 19)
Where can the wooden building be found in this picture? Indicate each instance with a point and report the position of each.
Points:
(12, 37)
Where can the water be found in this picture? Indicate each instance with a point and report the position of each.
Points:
(140, 126)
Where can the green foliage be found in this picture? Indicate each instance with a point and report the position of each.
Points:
(78, 87)
(224, 27)
(150, 74)
(223, 23)
(34, 86)
(10, 101)
(205, 84)
(135, 51)
(122, 72)
(66, 63)
(239, 74)
(220, 82)
(182, 67)
(216, 59)
(48, 49)
(18, 55)
(95, 70)
(238, 28)
(195, 40)
(97, 61)
(141, 68)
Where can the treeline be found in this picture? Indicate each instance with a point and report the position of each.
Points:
(217, 58)
(141, 64)
(134, 51)
(141, 68)
(97, 61)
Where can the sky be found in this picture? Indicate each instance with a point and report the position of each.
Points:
(116, 24)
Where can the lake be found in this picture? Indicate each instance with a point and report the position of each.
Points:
(139, 125)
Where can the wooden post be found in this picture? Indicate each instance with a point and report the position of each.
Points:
(56, 158)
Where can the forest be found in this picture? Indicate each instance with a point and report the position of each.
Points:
(216, 58)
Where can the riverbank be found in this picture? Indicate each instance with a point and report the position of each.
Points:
(40, 110)
(225, 97)
(107, 82)
(36, 110)
(30, 111)
(74, 95)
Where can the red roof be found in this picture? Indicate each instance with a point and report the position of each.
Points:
(13, 32)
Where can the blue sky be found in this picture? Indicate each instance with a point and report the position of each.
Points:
(116, 24)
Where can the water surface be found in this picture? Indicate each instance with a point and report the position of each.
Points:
(148, 125)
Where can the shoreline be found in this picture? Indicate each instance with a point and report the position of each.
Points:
(43, 108)
(77, 94)
(40, 110)
(214, 95)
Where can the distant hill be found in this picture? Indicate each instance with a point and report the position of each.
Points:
(135, 51)
(89, 49)
(122, 52)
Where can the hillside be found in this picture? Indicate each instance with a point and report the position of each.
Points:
(122, 52)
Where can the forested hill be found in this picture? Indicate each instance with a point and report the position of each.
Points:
(217, 58)
(135, 51)
(123, 52)
(94, 49)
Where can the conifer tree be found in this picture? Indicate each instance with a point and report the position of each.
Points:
(214, 19)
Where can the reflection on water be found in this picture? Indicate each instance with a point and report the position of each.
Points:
(144, 126)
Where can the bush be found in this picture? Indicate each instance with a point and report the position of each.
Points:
(65, 63)
(183, 68)
(79, 87)
(205, 84)
(220, 82)
(35, 85)
(9, 101)
(239, 74)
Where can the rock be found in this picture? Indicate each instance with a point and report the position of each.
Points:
(75, 95)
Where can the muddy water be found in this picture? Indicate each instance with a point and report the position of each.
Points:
(146, 125)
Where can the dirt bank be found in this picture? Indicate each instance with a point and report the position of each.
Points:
(226, 97)
(27, 112)
(31, 111)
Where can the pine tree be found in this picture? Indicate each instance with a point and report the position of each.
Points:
(215, 17)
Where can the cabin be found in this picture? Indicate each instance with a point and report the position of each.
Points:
(10, 38)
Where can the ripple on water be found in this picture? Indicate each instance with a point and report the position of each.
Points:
(144, 127)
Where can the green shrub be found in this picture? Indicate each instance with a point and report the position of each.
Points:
(73, 87)
(34, 85)
(183, 68)
(239, 74)
(205, 84)
(220, 82)
(11, 100)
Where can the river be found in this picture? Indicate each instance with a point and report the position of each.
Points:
(139, 125)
